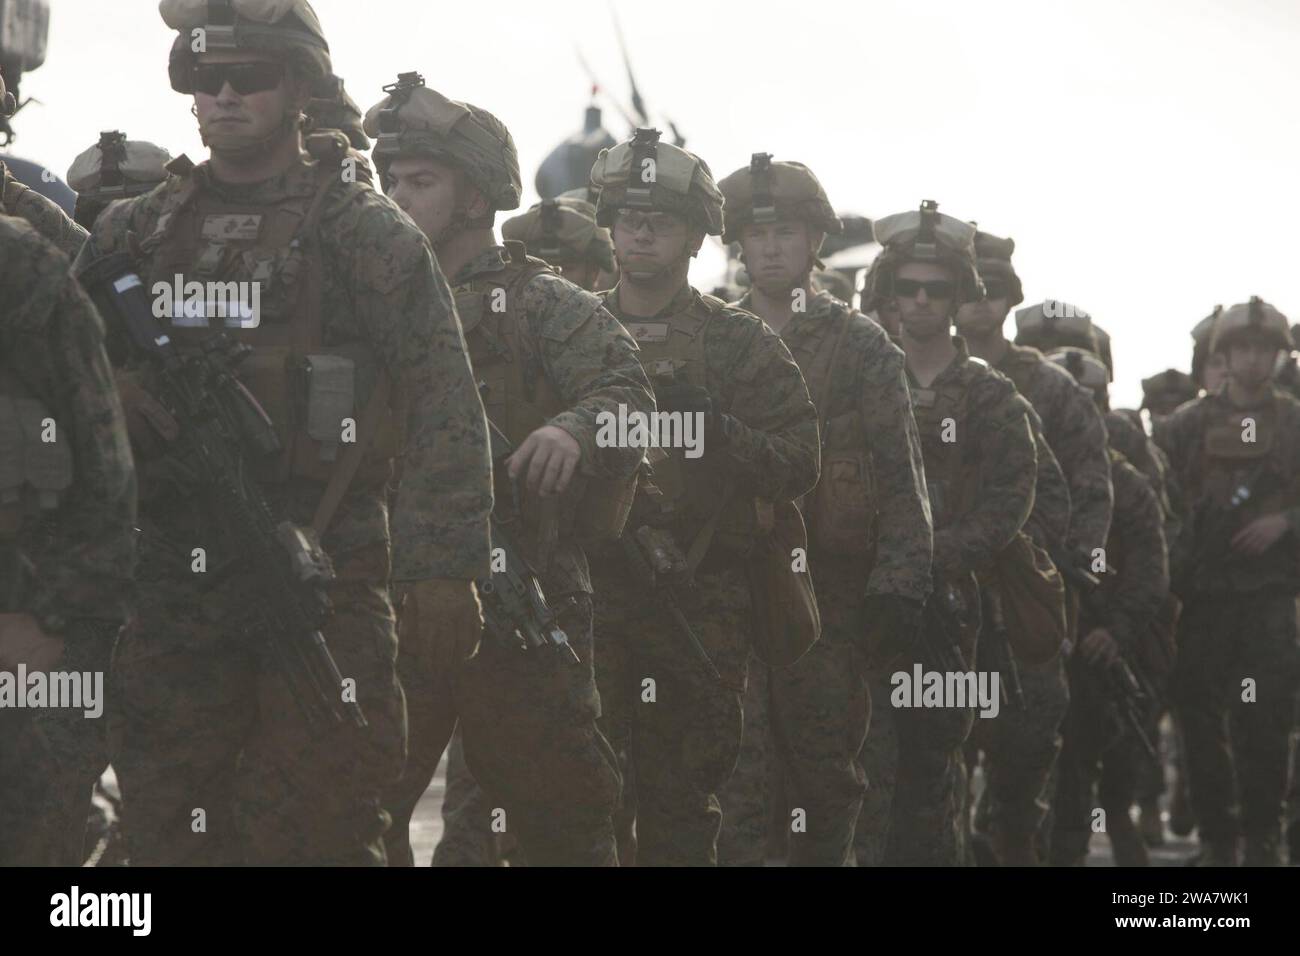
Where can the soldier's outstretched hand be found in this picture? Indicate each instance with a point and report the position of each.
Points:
(1260, 535)
(550, 455)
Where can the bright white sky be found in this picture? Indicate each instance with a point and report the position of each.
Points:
(1142, 153)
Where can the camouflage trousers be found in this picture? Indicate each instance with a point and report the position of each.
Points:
(879, 760)
(49, 762)
(217, 763)
(468, 836)
(679, 728)
(927, 824)
(804, 727)
(1238, 751)
(1099, 770)
(1020, 749)
(530, 740)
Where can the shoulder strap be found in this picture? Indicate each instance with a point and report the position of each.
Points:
(307, 323)
(825, 392)
(346, 469)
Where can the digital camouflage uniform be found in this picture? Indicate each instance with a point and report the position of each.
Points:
(1020, 757)
(1239, 616)
(679, 726)
(869, 533)
(67, 549)
(981, 468)
(684, 745)
(820, 707)
(44, 214)
(544, 352)
(992, 467)
(561, 238)
(1132, 590)
(205, 724)
(1129, 438)
(529, 720)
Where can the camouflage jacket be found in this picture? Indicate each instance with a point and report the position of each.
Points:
(867, 376)
(1129, 438)
(980, 449)
(761, 406)
(1049, 522)
(381, 288)
(44, 214)
(51, 341)
(1206, 484)
(1074, 428)
(590, 363)
(1137, 580)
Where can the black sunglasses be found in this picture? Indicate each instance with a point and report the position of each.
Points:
(244, 78)
(934, 289)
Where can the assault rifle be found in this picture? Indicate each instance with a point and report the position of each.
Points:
(221, 428)
(947, 609)
(515, 609)
(1132, 699)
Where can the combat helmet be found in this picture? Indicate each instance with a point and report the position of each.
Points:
(644, 173)
(1053, 324)
(1164, 392)
(416, 121)
(331, 107)
(993, 260)
(114, 168)
(284, 27)
(1201, 344)
(561, 230)
(924, 235)
(1253, 319)
(1088, 370)
(766, 191)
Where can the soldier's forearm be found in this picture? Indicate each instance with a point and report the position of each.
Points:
(781, 465)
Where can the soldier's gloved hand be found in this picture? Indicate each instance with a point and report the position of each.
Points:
(148, 423)
(446, 618)
(23, 642)
(683, 397)
(888, 623)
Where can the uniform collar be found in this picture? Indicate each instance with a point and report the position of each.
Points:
(298, 180)
(683, 300)
(492, 259)
(953, 368)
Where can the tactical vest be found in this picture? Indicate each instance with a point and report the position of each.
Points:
(689, 495)
(1226, 464)
(943, 411)
(34, 473)
(517, 397)
(311, 391)
(841, 509)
